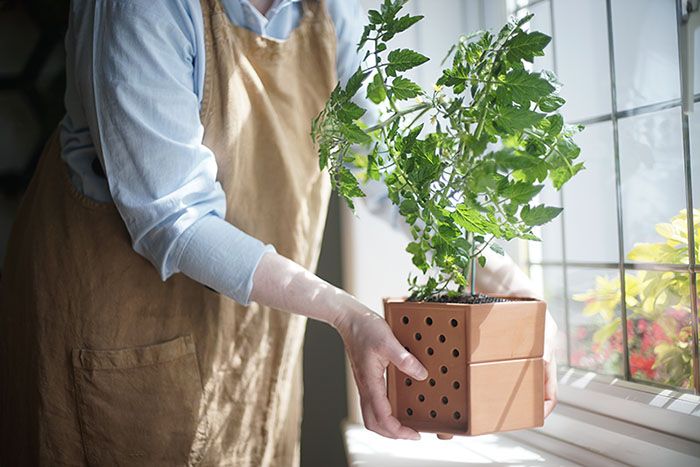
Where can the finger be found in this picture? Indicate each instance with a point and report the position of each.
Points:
(390, 427)
(381, 408)
(405, 362)
(549, 407)
(550, 387)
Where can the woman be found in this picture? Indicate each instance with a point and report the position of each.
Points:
(185, 149)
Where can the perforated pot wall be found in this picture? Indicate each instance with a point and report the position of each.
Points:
(484, 362)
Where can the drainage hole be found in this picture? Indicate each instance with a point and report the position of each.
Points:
(418, 336)
(429, 321)
(455, 385)
(457, 415)
(433, 413)
(455, 352)
(443, 369)
(431, 382)
(454, 323)
(405, 320)
(408, 381)
(409, 411)
(430, 351)
(421, 397)
(445, 400)
(442, 338)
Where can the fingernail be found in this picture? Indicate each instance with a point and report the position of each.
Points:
(422, 373)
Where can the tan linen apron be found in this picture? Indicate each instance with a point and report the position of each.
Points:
(101, 362)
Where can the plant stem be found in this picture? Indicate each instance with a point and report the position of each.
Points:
(397, 115)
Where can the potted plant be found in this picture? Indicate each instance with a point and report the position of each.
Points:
(463, 163)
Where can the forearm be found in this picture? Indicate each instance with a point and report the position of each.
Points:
(285, 285)
(501, 275)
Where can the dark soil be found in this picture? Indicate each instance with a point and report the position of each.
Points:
(471, 299)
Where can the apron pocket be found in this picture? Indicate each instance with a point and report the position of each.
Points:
(138, 406)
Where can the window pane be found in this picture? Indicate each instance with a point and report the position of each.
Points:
(694, 133)
(653, 187)
(590, 212)
(581, 42)
(659, 327)
(595, 334)
(646, 52)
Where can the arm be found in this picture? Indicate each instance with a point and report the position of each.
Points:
(144, 119)
(135, 76)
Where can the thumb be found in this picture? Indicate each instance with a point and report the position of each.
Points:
(406, 362)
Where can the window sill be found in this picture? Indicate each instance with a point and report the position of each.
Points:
(599, 421)
(662, 410)
(367, 449)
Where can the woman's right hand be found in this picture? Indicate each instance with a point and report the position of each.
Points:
(371, 347)
(282, 284)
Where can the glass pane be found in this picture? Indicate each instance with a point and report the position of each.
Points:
(595, 334)
(590, 212)
(646, 52)
(659, 327)
(653, 187)
(694, 134)
(581, 43)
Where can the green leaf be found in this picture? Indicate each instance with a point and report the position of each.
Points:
(482, 261)
(516, 118)
(527, 46)
(497, 248)
(539, 215)
(521, 192)
(376, 92)
(354, 134)
(355, 83)
(474, 221)
(404, 23)
(350, 112)
(404, 88)
(525, 86)
(375, 17)
(404, 59)
(550, 103)
(408, 206)
(563, 174)
(512, 160)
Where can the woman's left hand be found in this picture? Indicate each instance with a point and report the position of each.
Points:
(550, 365)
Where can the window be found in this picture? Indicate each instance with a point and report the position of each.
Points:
(624, 230)
(641, 156)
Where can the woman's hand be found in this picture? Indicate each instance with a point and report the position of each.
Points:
(371, 346)
(550, 365)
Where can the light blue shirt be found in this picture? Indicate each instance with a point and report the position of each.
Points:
(135, 77)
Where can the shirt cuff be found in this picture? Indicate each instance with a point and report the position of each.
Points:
(222, 257)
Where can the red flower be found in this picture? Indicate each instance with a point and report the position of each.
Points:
(641, 364)
(642, 325)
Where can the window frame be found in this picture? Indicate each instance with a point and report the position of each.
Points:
(622, 266)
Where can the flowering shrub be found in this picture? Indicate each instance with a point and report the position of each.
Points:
(658, 314)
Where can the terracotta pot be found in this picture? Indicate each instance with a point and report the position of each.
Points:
(486, 372)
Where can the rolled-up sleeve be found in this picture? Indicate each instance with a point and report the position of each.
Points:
(144, 119)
